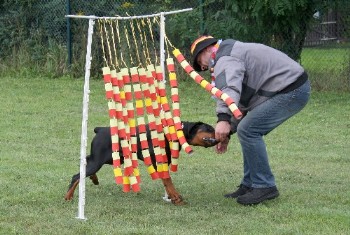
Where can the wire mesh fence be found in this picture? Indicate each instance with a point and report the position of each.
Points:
(42, 27)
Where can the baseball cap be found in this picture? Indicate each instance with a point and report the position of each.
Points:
(198, 45)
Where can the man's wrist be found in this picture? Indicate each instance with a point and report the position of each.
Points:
(224, 117)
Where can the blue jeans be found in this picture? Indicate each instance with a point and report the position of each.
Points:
(259, 122)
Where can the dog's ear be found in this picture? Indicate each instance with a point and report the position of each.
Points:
(190, 129)
(193, 126)
(206, 128)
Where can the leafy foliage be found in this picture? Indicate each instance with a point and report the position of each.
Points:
(40, 28)
(279, 23)
(17, 23)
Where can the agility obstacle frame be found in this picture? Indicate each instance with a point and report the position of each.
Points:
(148, 84)
(83, 147)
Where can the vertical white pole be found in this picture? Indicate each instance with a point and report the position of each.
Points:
(162, 36)
(84, 124)
(162, 59)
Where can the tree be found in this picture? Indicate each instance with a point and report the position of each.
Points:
(282, 24)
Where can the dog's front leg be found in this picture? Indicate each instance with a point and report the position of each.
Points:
(175, 197)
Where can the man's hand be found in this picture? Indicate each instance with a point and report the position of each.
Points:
(222, 131)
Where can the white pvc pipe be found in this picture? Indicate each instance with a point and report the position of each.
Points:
(83, 146)
(162, 38)
(127, 17)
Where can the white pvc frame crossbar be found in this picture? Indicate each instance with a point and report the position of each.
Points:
(127, 17)
(81, 206)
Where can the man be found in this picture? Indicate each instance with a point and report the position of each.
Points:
(268, 87)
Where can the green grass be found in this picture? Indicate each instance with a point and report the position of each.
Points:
(40, 143)
(328, 58)
(329, 68)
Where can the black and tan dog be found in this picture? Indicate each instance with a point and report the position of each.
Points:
(196, 134)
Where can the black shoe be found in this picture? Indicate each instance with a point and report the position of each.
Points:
(257, 195)
(242, 189)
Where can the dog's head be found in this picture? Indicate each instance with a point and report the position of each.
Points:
(199, 134)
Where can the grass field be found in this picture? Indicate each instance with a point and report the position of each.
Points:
(318, 58)
(329, 68)
(39, 152)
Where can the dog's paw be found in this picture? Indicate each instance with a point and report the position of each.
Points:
(175, 199)
(68, 196)
(94, 179)
(178, 200)
(166, 198)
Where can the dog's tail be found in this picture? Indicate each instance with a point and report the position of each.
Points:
(97, 129)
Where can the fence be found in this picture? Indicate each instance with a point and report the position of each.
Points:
(40, 26)
(329, 27)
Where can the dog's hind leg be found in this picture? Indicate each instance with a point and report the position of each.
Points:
(174, 196)
(92, 167)
(70, 193)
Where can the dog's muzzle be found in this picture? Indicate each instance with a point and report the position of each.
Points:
(210, 141)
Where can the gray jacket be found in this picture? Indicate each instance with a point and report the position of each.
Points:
(251, 73)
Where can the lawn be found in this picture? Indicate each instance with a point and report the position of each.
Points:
(40, 144)
(325, 58)
(329, 68)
